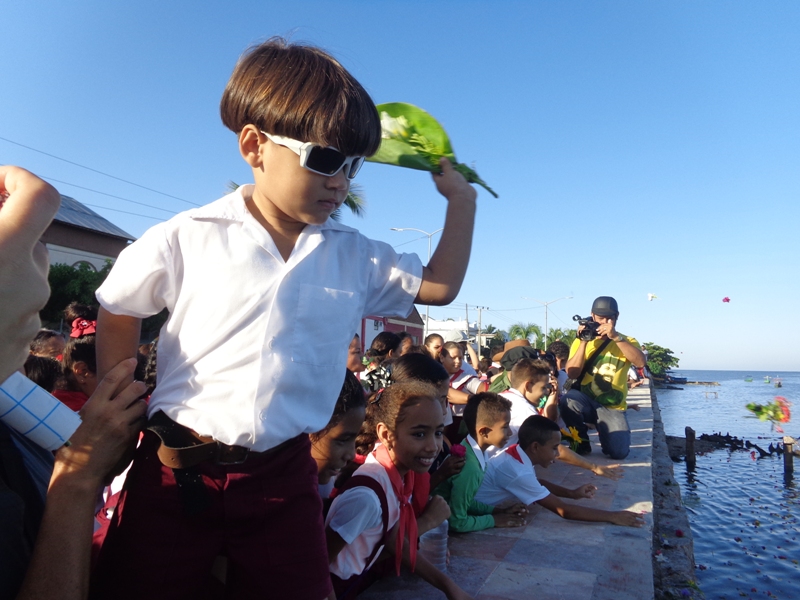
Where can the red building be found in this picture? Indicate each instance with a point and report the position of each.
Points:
(372, 326)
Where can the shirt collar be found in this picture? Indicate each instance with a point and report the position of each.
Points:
(478, 452)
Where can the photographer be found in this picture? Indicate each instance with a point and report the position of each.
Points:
(598, 362)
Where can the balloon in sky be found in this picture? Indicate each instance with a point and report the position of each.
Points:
(726, 299)
(652, 297)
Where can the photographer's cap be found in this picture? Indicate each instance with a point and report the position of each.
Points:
(605, 306)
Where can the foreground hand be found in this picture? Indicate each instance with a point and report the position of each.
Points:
(506, 520)
(613, 472)
(627, 518)
(451, 184)
(26, 213)
(434, 514)
(110, 427)
(518, 509)
(585, 491)
(607, 329)
(452, 465)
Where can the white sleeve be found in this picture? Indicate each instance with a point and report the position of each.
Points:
(142, 281)
(473, 385)
(527, 488)
(353, 512)
(394, 281)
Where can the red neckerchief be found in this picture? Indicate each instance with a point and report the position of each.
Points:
(513, 450)
(403, 489)
(422, 489)
(455, 376)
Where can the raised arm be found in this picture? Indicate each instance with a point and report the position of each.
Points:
(576, 359)
(444, 274)
(27, 205)
(117, 339)
(59, 567)
(577, 512)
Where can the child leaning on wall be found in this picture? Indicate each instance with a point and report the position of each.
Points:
(264, 291)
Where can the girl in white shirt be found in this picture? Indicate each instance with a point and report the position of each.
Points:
(407, 420)
(462, 385)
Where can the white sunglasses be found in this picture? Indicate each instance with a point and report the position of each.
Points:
(322, 160)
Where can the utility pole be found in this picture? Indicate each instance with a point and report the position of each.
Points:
(466, 308)
(480, 326)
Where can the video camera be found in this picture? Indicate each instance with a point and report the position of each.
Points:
(590, 327)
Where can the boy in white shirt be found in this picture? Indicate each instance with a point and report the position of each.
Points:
(510, 476)
(264, 291)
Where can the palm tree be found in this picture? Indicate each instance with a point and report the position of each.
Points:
(354, 201)
(531, 332)
(563, 335)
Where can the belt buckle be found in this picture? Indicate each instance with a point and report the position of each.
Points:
(231, 455)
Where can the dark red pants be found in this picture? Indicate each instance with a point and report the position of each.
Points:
(265, 516)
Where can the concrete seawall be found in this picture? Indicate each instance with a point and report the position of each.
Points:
(551, 558)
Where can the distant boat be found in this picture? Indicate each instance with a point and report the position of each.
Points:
(767, 379)
(777, 381)
(749, 378)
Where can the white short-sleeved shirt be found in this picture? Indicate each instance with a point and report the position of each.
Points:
(254, 351)
(521, 409)
(507, 478)
(466, 383)
(356, 516)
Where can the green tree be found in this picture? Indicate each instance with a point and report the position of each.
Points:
(71, 284)
(659, 360)
(79, 284)
(531, 332)
(562, 335)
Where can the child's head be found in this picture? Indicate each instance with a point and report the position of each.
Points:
(301, 92)
(43, 371)
(561, 351)
(421, 367)
(531, 377)
(539, 438)
(385, 345)
(48, 343)
(335, 445)
(487, 417)
(80, 363)
(451, 357)
(354, 362)
(434, 343)
(407, 419)
(406, 342)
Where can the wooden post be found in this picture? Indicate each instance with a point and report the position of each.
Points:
(691, 459)
(788, 457)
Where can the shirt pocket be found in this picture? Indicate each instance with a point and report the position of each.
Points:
(325, 323)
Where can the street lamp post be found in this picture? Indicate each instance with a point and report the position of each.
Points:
(429, 236)
(546, 304)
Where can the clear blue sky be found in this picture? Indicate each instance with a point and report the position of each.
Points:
(636, 146)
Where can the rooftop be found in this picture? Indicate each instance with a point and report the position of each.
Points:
(74, 213)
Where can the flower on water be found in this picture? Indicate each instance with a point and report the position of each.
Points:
(392, 127)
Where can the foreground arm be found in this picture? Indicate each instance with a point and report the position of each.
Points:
(24, 216)
(577, 512)
(573, 458)
(117, 340)
(444, 274)
(59, 567)
(577, 359)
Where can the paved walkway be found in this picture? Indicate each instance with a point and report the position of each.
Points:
(551, 558)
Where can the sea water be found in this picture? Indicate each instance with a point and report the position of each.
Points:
(744, 516)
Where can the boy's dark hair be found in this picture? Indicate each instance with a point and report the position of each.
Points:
(80, 349)
(383, 343)
(486, 408)
(528, 369)
(451, 345)
(536, 428)
(432, 336)
(351, 396)
(43, 371)
(388, 407)
(418, 367)
(559, 349)
(44, 335)
(300, 91)
(484, 364)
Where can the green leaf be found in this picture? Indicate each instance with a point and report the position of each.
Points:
(413, 139)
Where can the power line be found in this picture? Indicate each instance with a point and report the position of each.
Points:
(172, 212)
(125, 212)
(96, 171)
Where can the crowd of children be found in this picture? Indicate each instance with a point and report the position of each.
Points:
(261, 471)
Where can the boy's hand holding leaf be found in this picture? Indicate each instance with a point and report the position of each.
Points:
(412, 138)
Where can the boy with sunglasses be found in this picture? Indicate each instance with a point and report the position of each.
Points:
(264, 292)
